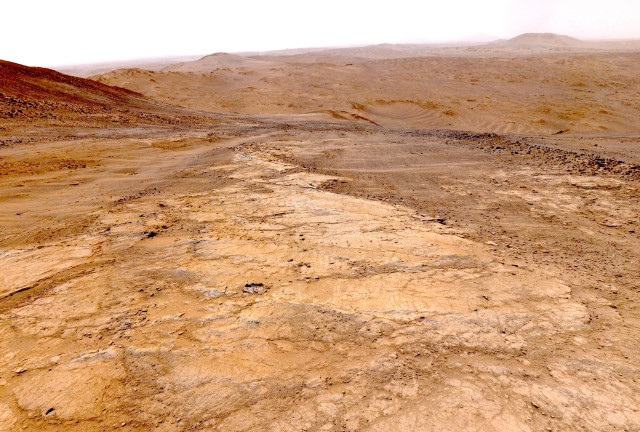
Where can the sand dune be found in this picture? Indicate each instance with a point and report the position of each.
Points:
(402, 114)
(540, 94)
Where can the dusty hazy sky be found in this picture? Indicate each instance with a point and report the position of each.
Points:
(57, 32)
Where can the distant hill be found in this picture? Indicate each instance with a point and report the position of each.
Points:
(540, 40)
(319, 55)
(550, 42)
(389, 51)
(477, 45)
(214, 61)
(153, 64)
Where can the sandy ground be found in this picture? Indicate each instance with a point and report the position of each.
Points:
(164, 269)
(576, 93)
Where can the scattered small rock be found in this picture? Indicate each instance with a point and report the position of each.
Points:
(254, 288)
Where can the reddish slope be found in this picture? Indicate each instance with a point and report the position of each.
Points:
(30, 91)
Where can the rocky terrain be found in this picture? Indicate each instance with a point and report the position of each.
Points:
(171, 263)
